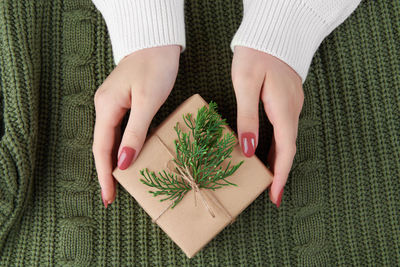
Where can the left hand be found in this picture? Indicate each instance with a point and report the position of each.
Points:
(255, 75)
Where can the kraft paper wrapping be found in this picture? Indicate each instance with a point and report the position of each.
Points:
(192, 227)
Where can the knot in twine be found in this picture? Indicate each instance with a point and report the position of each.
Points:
(186, 175)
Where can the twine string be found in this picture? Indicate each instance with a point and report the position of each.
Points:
(187, 176)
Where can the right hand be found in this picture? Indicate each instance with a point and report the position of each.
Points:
(141, 82)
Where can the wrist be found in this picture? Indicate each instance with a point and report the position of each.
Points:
(289, 30)
(292, 35)
(135, 25)
(168, 53)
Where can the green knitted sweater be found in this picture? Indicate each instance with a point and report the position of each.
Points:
(341, 205)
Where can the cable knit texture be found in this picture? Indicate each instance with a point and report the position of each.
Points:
(341, 204)
(290, 30)
(138, 24)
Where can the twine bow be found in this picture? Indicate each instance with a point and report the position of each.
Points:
(185, 174)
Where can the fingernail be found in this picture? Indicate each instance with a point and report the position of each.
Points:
(278, 202)
(104, 201)
(248, 144)
(125, 157)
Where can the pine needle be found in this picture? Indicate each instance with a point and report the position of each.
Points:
(202, 150)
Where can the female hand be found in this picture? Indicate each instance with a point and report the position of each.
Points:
(141, 82)
(256, 75)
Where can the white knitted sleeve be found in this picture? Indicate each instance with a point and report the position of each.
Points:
(137, 24)
(290, 30)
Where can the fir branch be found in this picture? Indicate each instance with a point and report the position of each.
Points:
(202, 151)
(167, 184)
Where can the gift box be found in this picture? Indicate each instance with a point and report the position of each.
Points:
(201, 214)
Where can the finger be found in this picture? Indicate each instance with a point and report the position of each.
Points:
(108, 117)
(285, 132)
(247, 92)
(142, 113)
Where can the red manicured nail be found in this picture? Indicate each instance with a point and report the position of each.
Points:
(248, 144)
(104, 201)
(125, 157)
(278, 202)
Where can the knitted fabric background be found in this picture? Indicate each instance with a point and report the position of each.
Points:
(341, 204)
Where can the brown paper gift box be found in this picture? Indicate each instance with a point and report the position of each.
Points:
(192, 227)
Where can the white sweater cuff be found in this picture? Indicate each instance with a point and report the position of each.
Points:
(290, 30)
(137, 24)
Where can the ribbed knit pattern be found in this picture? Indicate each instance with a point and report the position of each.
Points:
(341, 204)
(290, 30)
(138, 24)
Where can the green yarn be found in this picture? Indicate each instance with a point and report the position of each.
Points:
(341, 204)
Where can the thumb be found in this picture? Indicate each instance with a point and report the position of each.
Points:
(247, 98)
(140, 117)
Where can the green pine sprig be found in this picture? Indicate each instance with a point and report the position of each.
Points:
(202, 151)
